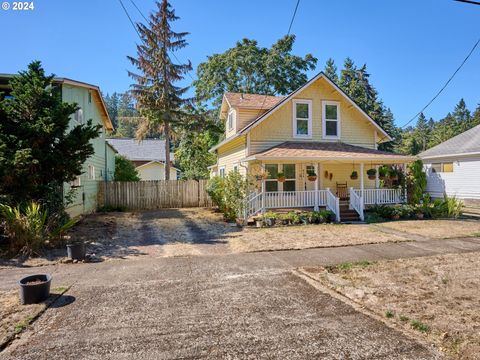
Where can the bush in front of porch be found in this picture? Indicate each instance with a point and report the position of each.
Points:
(271, 218)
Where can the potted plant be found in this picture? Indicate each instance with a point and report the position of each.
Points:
(269, 218)
(76, 250)
(258, 222)
(354, 175)
(34, 288)
(396, 213)
(393, 173)
(371, 173)
(281, 177)
(382, 173)
(311, 175)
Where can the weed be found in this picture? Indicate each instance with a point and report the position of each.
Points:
(22, 325)
(418, 325)
(349, 266)
(444, 281)
(60, 289)
(404, 318)
(389, 314)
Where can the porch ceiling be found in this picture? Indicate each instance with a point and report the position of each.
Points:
(327, 151)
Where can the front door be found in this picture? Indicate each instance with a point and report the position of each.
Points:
(309, 185)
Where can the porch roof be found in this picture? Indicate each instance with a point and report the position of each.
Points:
(321, 151)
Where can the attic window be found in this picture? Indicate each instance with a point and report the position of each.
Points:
(302, 118)
(89, 97)
(331, 119)
(231, 119)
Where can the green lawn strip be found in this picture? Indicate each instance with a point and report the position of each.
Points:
(343, 267)
(23, 324)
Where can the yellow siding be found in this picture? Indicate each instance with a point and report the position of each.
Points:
(233, 130)
(278, 127)
(246, 116)
(230, 155)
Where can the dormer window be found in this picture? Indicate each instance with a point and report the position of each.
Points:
(78, 116)
(331, 119)
(302, 119)
(231, 119)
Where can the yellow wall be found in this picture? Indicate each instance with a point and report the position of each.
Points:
(278, 127)
(155, 171)
(231, 153)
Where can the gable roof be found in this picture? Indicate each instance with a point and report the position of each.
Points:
(252, 101)
(293, 150)
(321, 74)
(465, 143)
(97, 94)
(146, 150)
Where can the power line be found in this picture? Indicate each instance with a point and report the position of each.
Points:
(446, 84)
(288, 33)
(138, 33)
(469, 2)
(293, 17)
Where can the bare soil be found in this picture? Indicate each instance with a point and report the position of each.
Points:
(434, 297)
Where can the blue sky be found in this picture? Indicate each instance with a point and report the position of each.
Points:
(411, 47)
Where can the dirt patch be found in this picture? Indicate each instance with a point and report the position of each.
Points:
(309, 236)
(436, 229)
(433, 297)
(14, 317)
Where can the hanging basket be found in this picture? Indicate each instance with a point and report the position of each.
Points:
(354, 175)
(312, 178)
(281, 179)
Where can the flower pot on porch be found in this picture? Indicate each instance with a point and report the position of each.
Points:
(312, 178)
(354, 175)
(371, 177)
(381, 177)
(396, 217)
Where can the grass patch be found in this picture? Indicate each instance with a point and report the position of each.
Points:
(418, 325)
(22, 325)
(349, 266)
(61, 289)
(404, 318)
(389, 314)
(476, 234)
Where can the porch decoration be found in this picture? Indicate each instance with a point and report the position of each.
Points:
(331, 176)
(311, 175)
(354, 175)
(393, 173)
(326, 174)
(281, 177)
(371, 173)
(382, 172)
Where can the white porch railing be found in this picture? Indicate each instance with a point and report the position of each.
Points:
(333, 204)
(381, 196)
(256, 203)
(356, 203)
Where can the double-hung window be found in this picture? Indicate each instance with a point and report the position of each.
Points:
(221, 171)
(302, 119)
(331, 119)
(272, 183)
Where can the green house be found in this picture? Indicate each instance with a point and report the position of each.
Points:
(99, 167)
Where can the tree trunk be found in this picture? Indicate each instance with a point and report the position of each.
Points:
(167, 150)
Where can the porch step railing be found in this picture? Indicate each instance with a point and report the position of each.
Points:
(333, 204)
(381, 196)
(356, 203)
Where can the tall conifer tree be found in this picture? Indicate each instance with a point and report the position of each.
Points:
(158, 97)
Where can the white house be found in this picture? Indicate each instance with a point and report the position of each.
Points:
(148, 156)
(453, 167)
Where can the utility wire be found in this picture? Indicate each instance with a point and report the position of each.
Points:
(293, 17)
(469, 2)
(138, 33)
(446, 84)
(288, 33)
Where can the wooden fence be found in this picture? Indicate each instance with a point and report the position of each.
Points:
(149, 195)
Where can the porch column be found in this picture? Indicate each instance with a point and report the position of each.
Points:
(316, 188)
(377, 183)
(362, 174)
(263, 190)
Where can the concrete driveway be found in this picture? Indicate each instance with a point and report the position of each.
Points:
(239, 306)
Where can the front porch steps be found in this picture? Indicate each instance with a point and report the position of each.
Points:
(348, 215)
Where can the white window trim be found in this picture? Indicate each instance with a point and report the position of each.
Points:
(294, 118)
(324, 120)
(91, 172)
(233, 113)
(280, 169)
(220, 171)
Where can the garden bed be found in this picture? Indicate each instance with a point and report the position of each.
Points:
(432, 297)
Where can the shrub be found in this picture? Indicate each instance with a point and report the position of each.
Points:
(235, 190)
(29, 229)
(125, 170)
(416, 182)
(215, 189)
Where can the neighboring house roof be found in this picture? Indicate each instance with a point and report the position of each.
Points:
(467, 143)
(145, 150)
(97, 95)
(292, 150)
(252, 101)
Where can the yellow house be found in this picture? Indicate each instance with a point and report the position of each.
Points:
(304, 150)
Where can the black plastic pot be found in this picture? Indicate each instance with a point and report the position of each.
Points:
(76, 251)
(33, 293)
